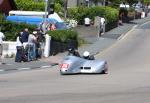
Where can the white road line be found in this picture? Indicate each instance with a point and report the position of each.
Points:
(123, 36)
(23, 68)
(45, 66)
(145, 23)
(42, 67)
(126, 34)
(9, 64)
(1, 70)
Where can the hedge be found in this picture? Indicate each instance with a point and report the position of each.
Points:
(31, 5)
(10, 29)
(62, 40)
(63, 35)
(79, 13)
(1, 18)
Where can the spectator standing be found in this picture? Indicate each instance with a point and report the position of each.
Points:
(31, 47)
(25, 36)
(99, 23)
(2, 36)
(142, 14)
(19, 47)
(37, 44)
(120, 18)
(101, 26)
(42, 43)
(44, 26)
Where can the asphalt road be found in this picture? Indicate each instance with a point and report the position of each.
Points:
(127, 81)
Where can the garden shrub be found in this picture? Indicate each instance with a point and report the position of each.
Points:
(61, 40)
(63, 35)
(1, 18)
(10, 29)
(79, 13)
(31, 5)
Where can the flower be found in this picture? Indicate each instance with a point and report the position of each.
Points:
(72, 22)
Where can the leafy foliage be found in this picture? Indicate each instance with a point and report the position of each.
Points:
(10, 29)
(1, 20)
(63, 35)
(79, 13)
(147, 1)
(31, 5)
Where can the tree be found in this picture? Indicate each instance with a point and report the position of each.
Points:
(59, 1)
(97, 1)
(131, 1)
(147, 1)
(65, 8)
(127, 1)
(114, 1)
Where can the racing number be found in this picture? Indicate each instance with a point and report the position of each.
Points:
(64, 65)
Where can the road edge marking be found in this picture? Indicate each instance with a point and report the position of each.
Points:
(123, 36)
(127, 33)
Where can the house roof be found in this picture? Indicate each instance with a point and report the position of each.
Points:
(1, 1)
(7, 5)
(12, 3)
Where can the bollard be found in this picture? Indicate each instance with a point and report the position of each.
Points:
(47, 45)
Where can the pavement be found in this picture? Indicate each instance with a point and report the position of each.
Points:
(95, 44)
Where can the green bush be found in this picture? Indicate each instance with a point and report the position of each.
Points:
(31, 5)
(79, 13)
(1, 18)
(63, 35)
(10, 29)
(58, 8)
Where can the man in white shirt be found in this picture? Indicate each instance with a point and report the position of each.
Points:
(1, 46)
(32, 47)
(19, 47)
(102, 26)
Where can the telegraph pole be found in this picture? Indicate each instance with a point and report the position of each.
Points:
(104, 2)
(45, 17)
(65, 8)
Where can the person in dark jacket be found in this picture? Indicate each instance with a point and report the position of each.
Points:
(73, 52)
(25, 35)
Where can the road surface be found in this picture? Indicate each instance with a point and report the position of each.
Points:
(127, 81)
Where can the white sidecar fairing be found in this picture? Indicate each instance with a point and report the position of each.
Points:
(73, 65)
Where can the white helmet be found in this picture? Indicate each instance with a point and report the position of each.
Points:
(86, 54)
